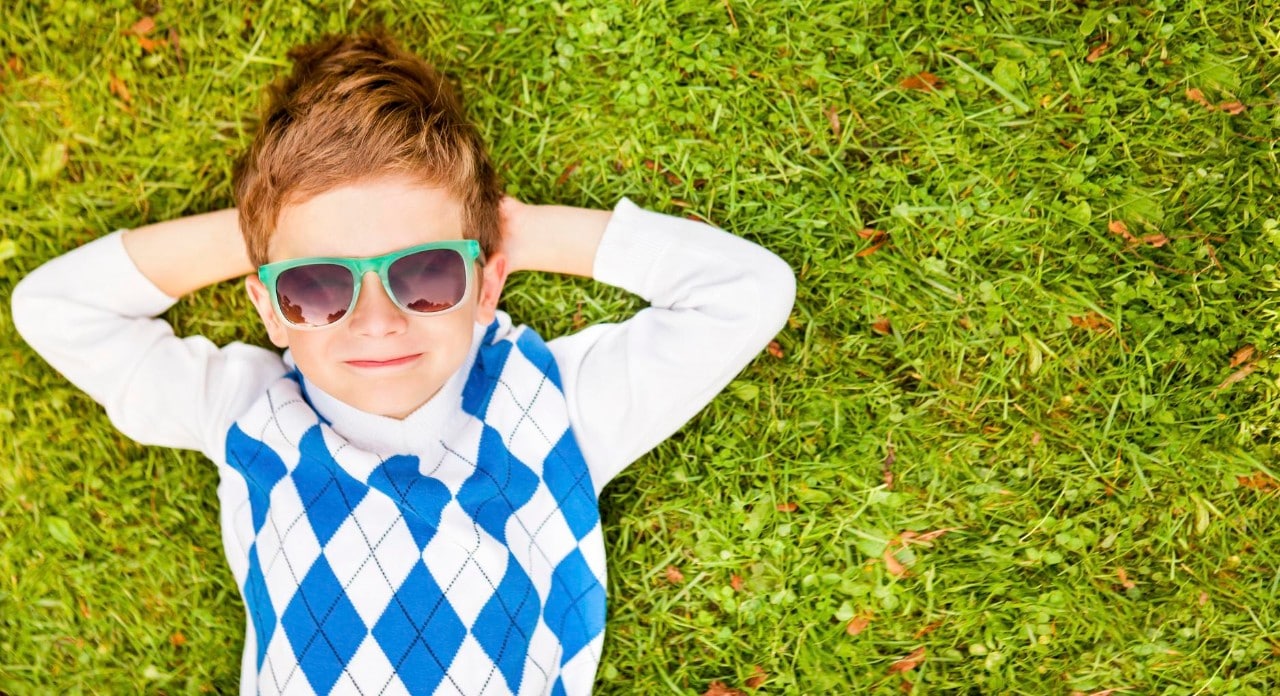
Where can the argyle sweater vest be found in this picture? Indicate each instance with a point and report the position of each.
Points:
(477, 568)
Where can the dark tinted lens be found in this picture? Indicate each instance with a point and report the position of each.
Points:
(314, 295)
(429, 281)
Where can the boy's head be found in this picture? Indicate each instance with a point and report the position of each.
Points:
(364, 152)
(358, 108)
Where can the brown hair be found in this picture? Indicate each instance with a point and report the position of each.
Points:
(354, 108)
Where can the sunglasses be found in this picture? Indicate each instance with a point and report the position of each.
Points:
(422, 280)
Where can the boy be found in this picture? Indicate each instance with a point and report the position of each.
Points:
(409, 493)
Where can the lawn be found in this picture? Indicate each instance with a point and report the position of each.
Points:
(1019, 435)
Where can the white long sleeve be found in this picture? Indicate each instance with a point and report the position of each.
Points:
(716, 300)
(91, 314)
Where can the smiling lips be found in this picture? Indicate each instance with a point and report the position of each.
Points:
(393, 362)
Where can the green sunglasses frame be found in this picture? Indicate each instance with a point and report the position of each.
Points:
(468, 249)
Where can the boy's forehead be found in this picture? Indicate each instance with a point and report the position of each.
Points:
(366, 218)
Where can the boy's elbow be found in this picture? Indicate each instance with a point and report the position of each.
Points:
(24, 308)
(778, 283)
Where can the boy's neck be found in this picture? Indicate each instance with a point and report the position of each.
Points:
(386, 435)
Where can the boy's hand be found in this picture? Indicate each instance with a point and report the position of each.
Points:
(509, 221)
(550, 238)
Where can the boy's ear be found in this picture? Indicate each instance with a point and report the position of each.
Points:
(493, 275)
(262, 302)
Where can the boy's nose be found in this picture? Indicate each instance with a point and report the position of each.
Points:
(375, 314)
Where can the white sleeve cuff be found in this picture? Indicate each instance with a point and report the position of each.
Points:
(633, 243)
(104, 263)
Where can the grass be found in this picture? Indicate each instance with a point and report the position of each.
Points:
(988, 357)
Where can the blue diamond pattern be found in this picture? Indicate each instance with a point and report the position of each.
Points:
(420, 498)
(498, 487)
(258, 603)
(420, 632)
(507, 622)
(261, 468)
(575, 606)
(569, 481)
(540, 355)
(478, 391)
(323, 626)
(328, 493)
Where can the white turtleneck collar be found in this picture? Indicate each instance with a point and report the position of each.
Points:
(385, 435)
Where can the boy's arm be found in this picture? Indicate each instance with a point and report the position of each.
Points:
(715, 302)
(184, 255)
(91, 314)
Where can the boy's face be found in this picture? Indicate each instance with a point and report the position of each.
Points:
(378, 359)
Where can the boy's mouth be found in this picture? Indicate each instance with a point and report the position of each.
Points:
(392, 362)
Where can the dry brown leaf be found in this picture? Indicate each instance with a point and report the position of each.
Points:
(1118, 227)
(775, 349)
(891, 563)
(568, 172)
(1036, 438)
(178, 640)
(177, 47)
(757, 679)
(871, 249)
(909, 537)
(119, 89)
(833, 117)
(143, 26)
(1155, 240)
(924, 81)
(1092, 322)
(1203, 599)
(719, 689)
(886, 470)
(149, 45)
(1242, 356)
(882, 326)
(1097, 52)
(787, 507)
(1237, 376)
(15, 65)
(1259, 481)
(1108, 692)
(1234, 108)
(1124, 579)
(868, 233)
(858, 624)
(928, 628)
(909, 662)
(1197, 96)
(735, 581)
(673, 575)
